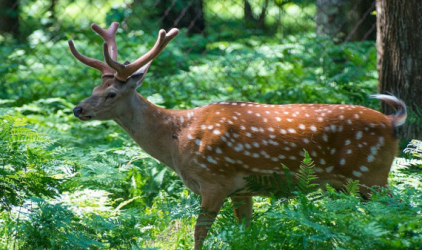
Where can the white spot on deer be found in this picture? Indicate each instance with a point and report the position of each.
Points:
(381, 140)
(322, 162)
(245, 166)
(197, 152)
(320, 119)
(347, 142)
(333, 151)
(291, 130)
(255, 155)
(292, 157)
(242, 127)
(254, 129)
(258, 114)
(305, 140)
(333, 128)
(314, 154)
(210, 127)
(234, 117)
(273, 142)
(216, 132)
(203, 165)
(249, 112)
(341, 117)
(287, 148)
(248, 134)
(190, 137)
(272, 136)
(218, 150)
(286, 113)
(265, 120)
(203, 127)
(281, 157)
(342, 161)
(211, 160)
(198, 142)
(359, 135)
(313, 128)
(255, 144)
(318, 170)
(283, 131)
(356, 116)
(329, 169)
(301, 126)
(292, 144)
(357, 173)
(374, 150)
(267, 112)
(370, 158)
(349, 121)
(274, 159)
(364, 169)
(229, 159)
(325, 137)
(289, 120)
(238, 147)
(349, 151)
(248, 146)
(270, 129)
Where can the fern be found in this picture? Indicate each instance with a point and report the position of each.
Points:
(22, 162)
(306, 176)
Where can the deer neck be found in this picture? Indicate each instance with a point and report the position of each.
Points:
(153, 128)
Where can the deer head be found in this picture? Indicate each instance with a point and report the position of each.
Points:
(119, 81)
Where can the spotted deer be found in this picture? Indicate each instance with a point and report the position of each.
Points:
(214, 147)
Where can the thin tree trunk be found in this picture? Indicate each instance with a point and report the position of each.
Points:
(399, 39)
(346, 20)
(183, 14)
(9, 17)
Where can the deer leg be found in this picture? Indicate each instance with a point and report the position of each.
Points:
(210, 206)
(242, 208)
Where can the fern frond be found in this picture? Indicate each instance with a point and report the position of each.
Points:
(306, 176)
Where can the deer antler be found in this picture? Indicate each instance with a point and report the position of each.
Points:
(124, 71)
(110, 52)
(109, 36)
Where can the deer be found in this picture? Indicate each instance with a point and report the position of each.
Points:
(214, 148)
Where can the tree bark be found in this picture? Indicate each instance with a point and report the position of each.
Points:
(346, 20)
(183, 14)
(399, 40)
(9, 17)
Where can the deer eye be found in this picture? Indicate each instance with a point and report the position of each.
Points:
(111, 95)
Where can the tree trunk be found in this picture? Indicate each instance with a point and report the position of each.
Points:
(400, 58)
(9, 17)
(346, 20)
(252, 21)
(183, 14)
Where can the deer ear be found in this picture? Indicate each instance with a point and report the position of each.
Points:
(137, 78)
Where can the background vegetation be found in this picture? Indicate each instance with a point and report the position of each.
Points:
(66, 184)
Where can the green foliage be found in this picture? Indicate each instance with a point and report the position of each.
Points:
(23, 164)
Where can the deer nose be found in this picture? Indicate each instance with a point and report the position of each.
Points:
(77, 111)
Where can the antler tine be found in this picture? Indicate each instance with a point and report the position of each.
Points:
(109, 36)
(124, 71)
(91, 62)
